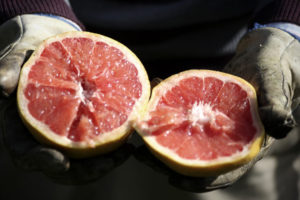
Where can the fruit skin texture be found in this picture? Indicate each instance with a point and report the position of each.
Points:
(76, 149)
(188, 167)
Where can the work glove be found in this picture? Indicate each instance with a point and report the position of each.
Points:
(18, 38)
(29, 155)
(269, 59)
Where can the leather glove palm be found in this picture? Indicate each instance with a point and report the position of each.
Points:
(29, 155)
(269, 59)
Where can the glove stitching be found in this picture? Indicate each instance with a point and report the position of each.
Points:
(22, 27)
(282, 73)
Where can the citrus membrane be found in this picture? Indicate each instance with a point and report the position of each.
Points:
(81, 91)
(202, 122)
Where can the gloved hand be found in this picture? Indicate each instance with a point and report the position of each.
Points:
(269, 59)
(18, 38)
(29, 155)
(201, 184)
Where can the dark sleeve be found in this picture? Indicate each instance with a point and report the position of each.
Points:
(279, 11)
(12, 8)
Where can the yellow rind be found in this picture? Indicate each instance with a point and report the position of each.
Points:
(206, 170)
(77, 152)
(82, 151)
(213, 168)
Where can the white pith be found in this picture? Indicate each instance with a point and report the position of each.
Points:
(200, 113)
(203, 113)
(104, 137)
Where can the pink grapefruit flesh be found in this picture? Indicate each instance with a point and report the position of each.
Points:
(79, 88)
(202, 122)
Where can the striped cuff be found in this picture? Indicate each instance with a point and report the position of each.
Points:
(279, 11)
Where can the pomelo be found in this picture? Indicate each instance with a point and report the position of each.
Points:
(81, 91)
(202, 123)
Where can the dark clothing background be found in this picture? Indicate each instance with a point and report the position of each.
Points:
(172, 35)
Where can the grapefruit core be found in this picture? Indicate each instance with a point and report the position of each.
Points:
(81, 91)
(202, 123)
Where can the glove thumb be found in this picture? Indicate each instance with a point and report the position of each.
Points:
(267, 58)
(11, 57)
(22, 35)
(27, 153)
(44, 159)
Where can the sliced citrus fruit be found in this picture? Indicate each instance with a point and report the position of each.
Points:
(202, 123)
(81, 91)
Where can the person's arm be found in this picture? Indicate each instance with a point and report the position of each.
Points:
(282, 14)
(279, 11)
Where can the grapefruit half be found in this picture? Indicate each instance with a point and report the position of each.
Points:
(202, 123)
(81, 91)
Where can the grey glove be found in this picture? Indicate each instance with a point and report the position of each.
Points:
(29, 155)
(18, 38)
(269, 59)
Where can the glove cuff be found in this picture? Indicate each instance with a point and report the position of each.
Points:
(292, 29)
(12, 8)
(280, 11)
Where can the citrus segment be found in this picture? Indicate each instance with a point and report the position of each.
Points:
(81, 91)
(202, 122)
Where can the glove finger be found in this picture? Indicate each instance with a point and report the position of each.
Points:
(90, 169)
(186, 183)
(26, 152)
(10, 67)
(43, 159)
(276, 95)
(13, 32)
